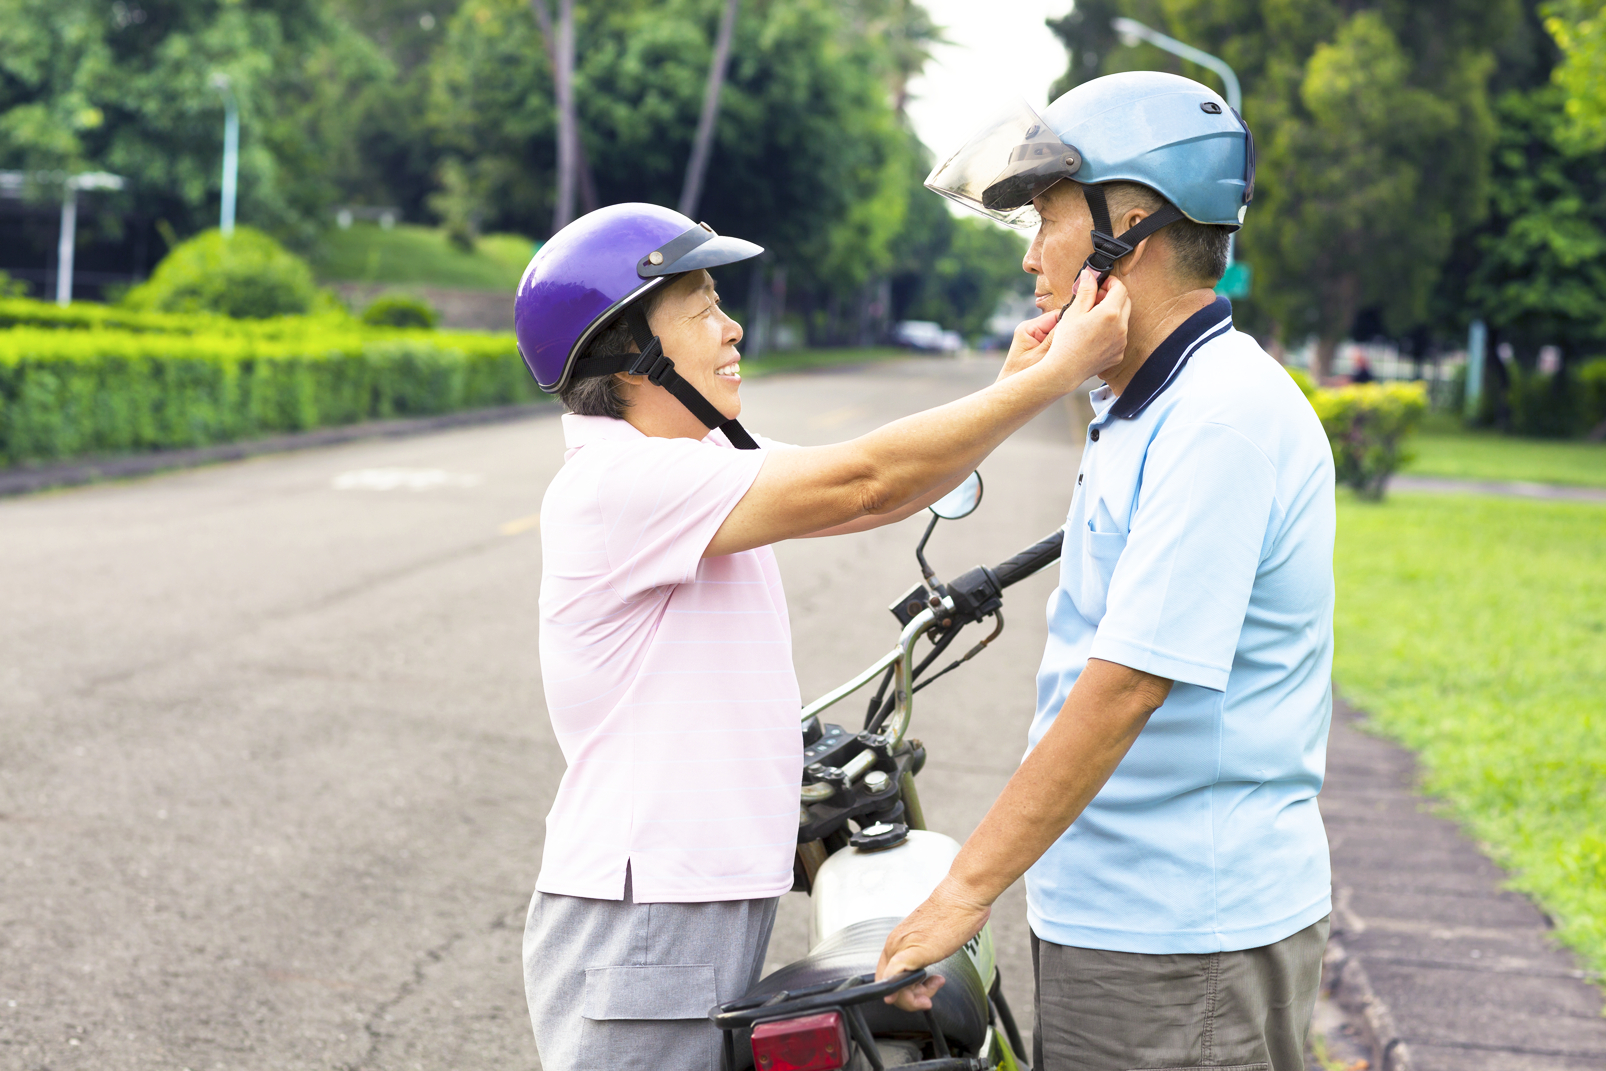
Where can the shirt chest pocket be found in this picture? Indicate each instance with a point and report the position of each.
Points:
(1101, 550)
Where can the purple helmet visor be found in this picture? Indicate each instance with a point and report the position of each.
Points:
(589, 272)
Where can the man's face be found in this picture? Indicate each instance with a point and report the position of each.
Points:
(1062, 244)
(701, 340)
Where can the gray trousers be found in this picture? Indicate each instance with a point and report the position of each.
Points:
(614, 985)
(1125, 1011)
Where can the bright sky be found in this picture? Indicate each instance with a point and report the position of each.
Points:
(1001, 50)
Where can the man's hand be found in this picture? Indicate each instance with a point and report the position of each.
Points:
(1107, 708)
(936, 930)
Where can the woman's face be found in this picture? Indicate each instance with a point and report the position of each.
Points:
(701, 340)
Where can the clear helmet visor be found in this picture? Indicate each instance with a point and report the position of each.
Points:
(1004, 165)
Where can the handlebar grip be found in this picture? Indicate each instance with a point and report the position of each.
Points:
(1040, 554)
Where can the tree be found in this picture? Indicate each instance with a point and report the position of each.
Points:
(811, 156)
(1579, 27)
(1535, 270)
(126, 88)
(1374, 128)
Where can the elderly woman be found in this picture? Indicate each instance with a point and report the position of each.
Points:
(665, 647)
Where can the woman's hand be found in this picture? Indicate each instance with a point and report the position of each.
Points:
(1027, 348)
(933, 931)
(1087, 337)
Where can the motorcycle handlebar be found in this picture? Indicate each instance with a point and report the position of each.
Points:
(1040, 554)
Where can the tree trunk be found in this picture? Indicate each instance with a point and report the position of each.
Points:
(692, 191)
(561, 41)
(757, 311)
(582, 166)
(1326, 349)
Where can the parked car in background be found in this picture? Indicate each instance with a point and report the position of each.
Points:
(926, 336)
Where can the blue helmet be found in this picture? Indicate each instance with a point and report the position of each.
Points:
(1169, 133)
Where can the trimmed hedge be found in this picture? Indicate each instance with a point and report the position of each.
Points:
(71, 393)
(1367, 426)
(87, 316)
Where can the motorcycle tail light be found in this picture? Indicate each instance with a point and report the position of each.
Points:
(810, 1043)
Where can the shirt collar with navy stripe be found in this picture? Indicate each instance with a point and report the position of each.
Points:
(1160, 370)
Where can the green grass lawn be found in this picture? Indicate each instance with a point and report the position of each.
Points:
(1473, 630)
(421, 256)
(1444, 448)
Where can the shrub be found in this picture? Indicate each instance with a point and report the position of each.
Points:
(246, 275)
(400, 310)
(1541, 405)
(1367, 426)
(1302, 380)
(1591, 381)
(69, 393)
(12, 288)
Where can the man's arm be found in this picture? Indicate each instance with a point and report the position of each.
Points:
(798, 492)
(1107, 708)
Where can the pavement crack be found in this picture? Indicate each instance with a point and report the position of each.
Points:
(374, 1025)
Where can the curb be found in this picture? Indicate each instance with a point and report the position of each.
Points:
(1345, 981)
(23, 481)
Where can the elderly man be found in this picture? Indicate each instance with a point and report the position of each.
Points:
(1165, 814)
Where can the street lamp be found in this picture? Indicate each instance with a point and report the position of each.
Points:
(231, 152)
(1236, 282)
(1132, 31)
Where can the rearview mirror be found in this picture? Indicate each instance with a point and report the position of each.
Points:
(961, 501)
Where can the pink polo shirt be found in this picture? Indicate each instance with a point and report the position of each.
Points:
(668, 675)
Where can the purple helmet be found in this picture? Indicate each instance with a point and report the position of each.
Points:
(592, 271)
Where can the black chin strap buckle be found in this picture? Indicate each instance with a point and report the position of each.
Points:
(652, 363)
(1107, 249)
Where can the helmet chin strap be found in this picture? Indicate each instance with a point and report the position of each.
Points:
(1107, 248)
(659, 369)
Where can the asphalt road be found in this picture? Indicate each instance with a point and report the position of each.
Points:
(275, 760)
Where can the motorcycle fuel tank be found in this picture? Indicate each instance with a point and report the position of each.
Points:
(854, 885)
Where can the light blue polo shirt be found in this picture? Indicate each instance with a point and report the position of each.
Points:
(1199, 547)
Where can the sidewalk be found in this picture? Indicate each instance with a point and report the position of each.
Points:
(1434, 966)
(1552, 492)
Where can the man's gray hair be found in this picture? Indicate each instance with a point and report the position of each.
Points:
(1199, 250)
(600, 395)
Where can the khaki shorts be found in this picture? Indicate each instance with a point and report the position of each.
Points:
(1126, 1011)
(614, 985)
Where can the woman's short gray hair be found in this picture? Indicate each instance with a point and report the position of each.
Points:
(600, 395)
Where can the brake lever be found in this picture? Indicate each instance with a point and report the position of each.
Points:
(972, 653)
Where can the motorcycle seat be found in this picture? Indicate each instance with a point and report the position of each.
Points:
(960, 1005)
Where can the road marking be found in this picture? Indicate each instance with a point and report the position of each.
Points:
(402, 480)
(523, 524)
(836, 417)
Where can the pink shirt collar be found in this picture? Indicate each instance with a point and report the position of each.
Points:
(581, 431)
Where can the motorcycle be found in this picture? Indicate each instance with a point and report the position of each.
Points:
(866, 859)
